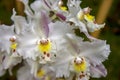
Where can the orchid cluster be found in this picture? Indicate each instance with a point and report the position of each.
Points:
(44, 42)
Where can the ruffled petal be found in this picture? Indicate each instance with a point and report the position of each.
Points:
(96, 51)
(98, 71)
(19, 22)
(28, 52)
(28, 45)
(62, 64)
(6, 32)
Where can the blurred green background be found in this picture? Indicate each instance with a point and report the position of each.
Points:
(111, 32)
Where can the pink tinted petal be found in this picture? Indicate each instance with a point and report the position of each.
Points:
(98, 71)
(45, 23)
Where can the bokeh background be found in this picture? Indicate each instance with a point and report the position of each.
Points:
(107, 11)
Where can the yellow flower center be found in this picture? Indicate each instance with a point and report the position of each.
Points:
(13, 46)
(63, 8)
(79, 66)
(44, 46)
(41, 73)
(89, 17)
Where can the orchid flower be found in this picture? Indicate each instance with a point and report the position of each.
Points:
(82, 18)
(48, 47)
(53, 6)
(9, 61)
(84, 59)
(9, 42)
(9, 48)
(40, 72)
(41, 41)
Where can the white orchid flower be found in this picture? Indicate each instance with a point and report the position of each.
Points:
(9, 42)
(44, 73)
(47, 45)
(82, 58)
(53, 7)
(49, 6)
(41, 40)
(40, 72)
(9, 34)
(8, 61)
(81, 18)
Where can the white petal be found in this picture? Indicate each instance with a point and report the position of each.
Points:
(82, 27)
(72, 44)
(28, 45)
(96, 51)
(93, 26)
(74, 7)
(33, 66)
(19, 22)
(5, 33)
(59, 29)
(98, 71)
(24, 73)
(62, 64)
(40, 24)
(10, 61)
(28, 52)
(38, 5)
